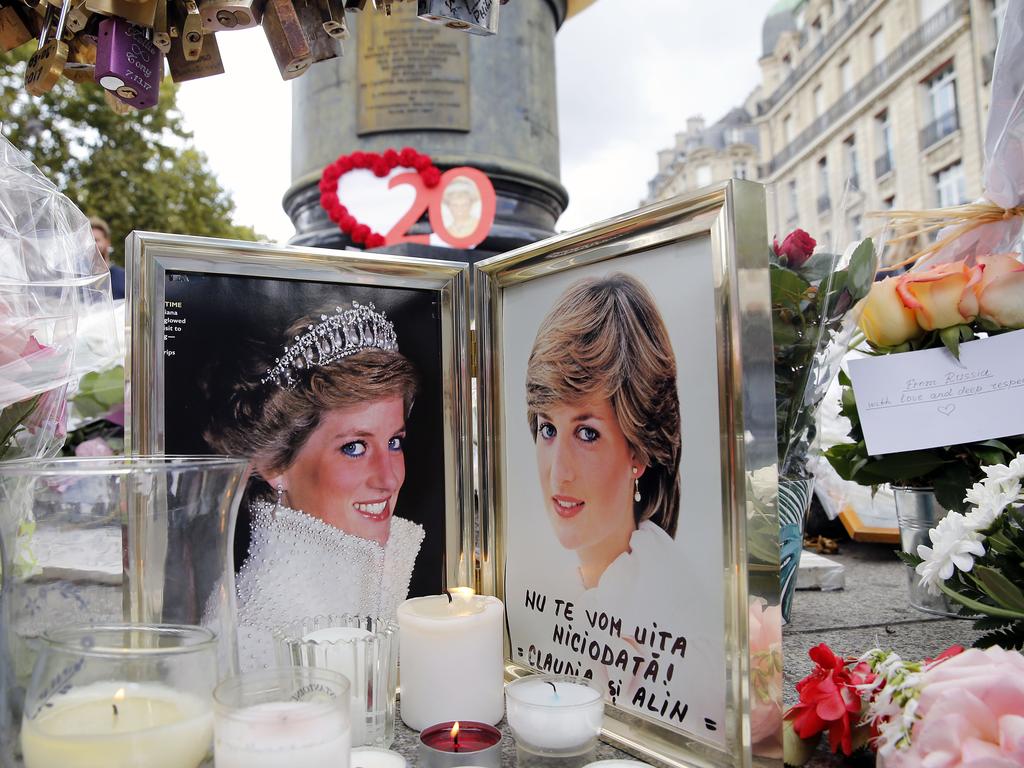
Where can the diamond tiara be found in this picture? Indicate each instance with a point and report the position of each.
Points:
(336, 336)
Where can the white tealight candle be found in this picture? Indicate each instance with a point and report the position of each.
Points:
(450, 658)
(310, 734)
(344, 654)
(372, 757)
(617, 764)
(119, 725)
(553, 714)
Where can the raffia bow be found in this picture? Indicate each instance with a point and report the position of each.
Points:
(964, 219)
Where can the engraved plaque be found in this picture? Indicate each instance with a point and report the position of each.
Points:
(410, 75)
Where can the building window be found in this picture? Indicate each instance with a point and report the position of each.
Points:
(941, 111)
(998, 16)
(787, 128)
(850, 150)
(856, 230)
(930, 7)
(883, 128)
(846, 76)
(703, 175)
(878, 46)
(734, 136)
(824, 200)
(794, 201)
(951, 186)
(889, 203)
(819, 101)
(739, 169)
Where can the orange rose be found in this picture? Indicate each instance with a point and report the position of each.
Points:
(1001, 290)
(941, 296)
(886, 322)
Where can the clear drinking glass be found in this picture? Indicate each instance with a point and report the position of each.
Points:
(121, 696)
(111, 540)
(362, 648)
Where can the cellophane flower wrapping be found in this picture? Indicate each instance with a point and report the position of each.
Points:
(53, 285)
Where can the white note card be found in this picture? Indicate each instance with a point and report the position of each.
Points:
(914, 400)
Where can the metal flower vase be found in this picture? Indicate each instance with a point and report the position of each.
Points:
(111, 540)
(918, 511)
(795, 496)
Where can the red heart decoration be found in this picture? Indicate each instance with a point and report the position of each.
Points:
(381, 165)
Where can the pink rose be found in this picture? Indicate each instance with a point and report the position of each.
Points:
(1001, 290)
(941, 296)
(94, 446)
(971, 714)
(796, 248)
(766, 678)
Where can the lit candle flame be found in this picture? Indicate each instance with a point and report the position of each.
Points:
(460, 600)
(118, 697)
(455, 735)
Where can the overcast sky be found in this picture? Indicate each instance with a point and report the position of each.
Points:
(628, 77)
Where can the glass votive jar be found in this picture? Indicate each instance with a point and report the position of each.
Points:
(362, 648)
(460, 743)
(282, 717)
(120, 696)
(374, 757)
(555, 719)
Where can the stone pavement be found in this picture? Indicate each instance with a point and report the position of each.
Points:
(872, 611)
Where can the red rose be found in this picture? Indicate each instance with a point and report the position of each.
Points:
(408, 156)
(431, 177)
(359, 233)
(796, 248)
(421, 163)
(347, 223)
(360, 160)
(343, 164)
(829, 699)
(380, 169)
(331, 173)
(375, 240)
(953, 650)
(391, 158)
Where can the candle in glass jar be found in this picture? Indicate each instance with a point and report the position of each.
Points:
(551, 713)
(450, 658)
(119, 725)
(310, 734)
(347, 656)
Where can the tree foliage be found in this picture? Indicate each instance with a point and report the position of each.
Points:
(137, 171)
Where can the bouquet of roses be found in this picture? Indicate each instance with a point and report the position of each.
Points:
(939, 306)
(977, 559)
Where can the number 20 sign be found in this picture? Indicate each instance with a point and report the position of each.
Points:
(460, 208)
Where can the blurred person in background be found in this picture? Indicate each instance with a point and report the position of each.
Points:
(101, 234)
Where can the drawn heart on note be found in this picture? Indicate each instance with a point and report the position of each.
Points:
(945, 410)
(382, 167)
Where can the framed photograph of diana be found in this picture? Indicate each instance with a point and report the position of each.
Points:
(626, 377)
(343, 377)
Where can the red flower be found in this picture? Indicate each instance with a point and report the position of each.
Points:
(390, 157)
(360, 160)
(347, 222)
(795, 249)
(375, 240)
(829, 699)
(408, 156)
(953, 650)
(421, 163)
(431, 177)
(359, 234)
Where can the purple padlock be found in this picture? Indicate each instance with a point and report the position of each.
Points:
(128, 64)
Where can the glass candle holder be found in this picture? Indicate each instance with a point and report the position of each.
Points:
(121, 696)
(554, 719)
(283, 717)
(460, 743)
(373, 757)
(362, 648)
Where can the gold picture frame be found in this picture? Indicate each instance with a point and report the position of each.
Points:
(709, 248)
(156, 261)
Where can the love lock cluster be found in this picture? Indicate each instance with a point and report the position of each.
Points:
(122, 44)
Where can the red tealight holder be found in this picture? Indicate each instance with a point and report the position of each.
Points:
(460, 743)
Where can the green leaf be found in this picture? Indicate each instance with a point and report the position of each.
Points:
(999, 588)
(862, 269)
(1000, 445)
(12, 417)
(987, 610)
(951, 339)
(951, 486)
(788, 288)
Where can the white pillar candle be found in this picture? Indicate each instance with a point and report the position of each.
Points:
(153, 725)
(554, 714)
(345, 655)
(451, 658)
(372, 757)
(310, 734)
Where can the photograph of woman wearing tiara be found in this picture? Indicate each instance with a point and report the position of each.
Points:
(323, 408)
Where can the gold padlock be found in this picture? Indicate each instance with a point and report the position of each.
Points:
(116, 105)
(190, 27)
(209, 61)
(47, 63)
(138, 13)
(224, 15)
(162, 30)
(287, 40)
(321, 45)
(81, 61)
(334, 22)
(13, 30)
(78, 16)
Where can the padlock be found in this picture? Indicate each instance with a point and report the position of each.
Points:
(47, 63)
(78, 16)
(13, 30)
(209, 61)
(141, 13)
(480, 17)
(116, 105)
(190, 28)
(128, 64)
(355, 5)
(223, 15)
(321, 45)
(382, 6)
(334, 23)
(162, 30)
(81, 60)
(284, 33)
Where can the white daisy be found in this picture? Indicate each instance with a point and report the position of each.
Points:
(954, 546)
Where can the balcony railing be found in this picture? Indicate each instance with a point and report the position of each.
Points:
(939, 129)
(883, 165)
(824, 203)
(812, 58)
(933, 29)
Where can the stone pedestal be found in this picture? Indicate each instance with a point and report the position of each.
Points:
(409, 83)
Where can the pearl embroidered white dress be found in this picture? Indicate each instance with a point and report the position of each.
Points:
(299, 567)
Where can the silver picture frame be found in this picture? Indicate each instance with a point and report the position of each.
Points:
(723, 231)
(151, 257)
